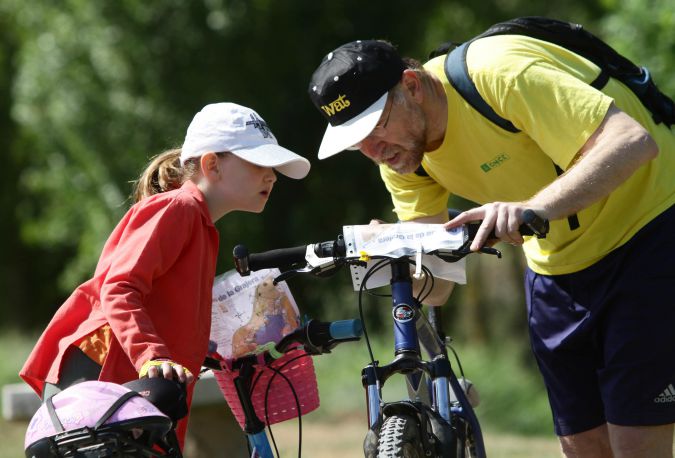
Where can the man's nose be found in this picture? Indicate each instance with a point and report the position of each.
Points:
(372, 148)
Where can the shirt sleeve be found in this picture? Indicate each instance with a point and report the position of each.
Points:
(150, 244)
(557, 110)
(414, 196)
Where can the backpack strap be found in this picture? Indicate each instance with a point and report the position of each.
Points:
(58, 426)
(114, 407)
(421, 172)
(457, 73)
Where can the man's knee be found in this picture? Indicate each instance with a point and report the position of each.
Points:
(591, 443)
(638, 441)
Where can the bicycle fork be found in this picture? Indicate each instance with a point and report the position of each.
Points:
(406, 316)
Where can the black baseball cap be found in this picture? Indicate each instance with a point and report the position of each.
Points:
(350, 89)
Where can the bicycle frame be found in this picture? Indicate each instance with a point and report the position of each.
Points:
(315, 338)
(429, 381)
(410, 328)
(254, 428)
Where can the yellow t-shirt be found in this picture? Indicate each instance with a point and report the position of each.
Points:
(543, 90)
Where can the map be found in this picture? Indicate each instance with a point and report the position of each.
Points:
(250, 311)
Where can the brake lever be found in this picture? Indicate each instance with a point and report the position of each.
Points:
(319, 271)
(464, 250)
(490, 250)
(290, 274)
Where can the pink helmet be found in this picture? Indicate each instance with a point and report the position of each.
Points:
(93, 413)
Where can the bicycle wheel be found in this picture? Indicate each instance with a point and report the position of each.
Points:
(400, 438)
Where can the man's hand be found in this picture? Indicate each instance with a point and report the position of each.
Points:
(505, 218)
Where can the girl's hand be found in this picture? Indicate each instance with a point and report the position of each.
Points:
(166, 369)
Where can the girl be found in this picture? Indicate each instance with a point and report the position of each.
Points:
(147, 309)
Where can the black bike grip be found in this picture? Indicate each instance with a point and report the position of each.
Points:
(277, 258)
(533, 224)
(240, 255)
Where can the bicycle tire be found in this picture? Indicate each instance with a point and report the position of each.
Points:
(400, 438)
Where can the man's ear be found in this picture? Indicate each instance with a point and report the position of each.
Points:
(210, 166)
(413, 84)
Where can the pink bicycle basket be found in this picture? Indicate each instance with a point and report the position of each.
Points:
(281, 404)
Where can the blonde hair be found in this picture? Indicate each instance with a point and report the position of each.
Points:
(163, 173)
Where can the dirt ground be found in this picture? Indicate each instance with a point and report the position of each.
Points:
(342, 438)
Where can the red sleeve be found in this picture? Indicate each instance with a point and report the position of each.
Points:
(149, 245)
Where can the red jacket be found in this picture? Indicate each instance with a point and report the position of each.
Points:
(152, 286)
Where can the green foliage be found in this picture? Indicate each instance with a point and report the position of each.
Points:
(644, 30)
(90, 90)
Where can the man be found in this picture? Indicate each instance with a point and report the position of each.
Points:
(601, 310)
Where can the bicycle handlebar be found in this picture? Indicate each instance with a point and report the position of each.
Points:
(320, 337)
(246, 262)
(315, 336)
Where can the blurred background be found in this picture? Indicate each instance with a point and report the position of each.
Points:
(90, 90)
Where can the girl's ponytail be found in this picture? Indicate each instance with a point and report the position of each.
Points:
(163, 173)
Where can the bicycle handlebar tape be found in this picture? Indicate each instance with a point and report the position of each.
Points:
(346, 329)
(277, 258)
(240, 255)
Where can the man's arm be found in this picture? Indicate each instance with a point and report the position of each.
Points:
(618, 147)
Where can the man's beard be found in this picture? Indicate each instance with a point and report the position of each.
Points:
(412, 153)
(409, 160)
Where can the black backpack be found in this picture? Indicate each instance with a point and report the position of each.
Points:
(570, 36)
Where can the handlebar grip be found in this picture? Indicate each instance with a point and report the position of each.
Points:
(246, 263)
(346, 329)
(533, 224)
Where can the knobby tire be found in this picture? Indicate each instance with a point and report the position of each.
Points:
(400, 438)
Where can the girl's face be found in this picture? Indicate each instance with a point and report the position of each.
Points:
(238, 185)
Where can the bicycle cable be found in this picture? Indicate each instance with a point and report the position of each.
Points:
(378, 266)
(267, 391)
(459, 363)
(297, 405)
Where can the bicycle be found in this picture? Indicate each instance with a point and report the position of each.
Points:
(438, 419)
(314, 338)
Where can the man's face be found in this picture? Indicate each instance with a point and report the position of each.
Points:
(399, 138)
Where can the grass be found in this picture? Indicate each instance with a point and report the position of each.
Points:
(14, 349)
(513, 398)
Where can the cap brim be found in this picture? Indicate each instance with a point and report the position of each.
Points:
(286, 162)
(348, 134)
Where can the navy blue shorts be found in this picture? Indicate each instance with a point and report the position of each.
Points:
(604, 337)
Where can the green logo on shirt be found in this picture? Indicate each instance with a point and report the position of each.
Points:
(497, 161)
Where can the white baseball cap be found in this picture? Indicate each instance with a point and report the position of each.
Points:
(221, 127)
